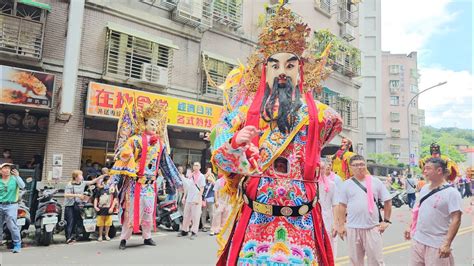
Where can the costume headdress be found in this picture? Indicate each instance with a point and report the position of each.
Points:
(283, 33)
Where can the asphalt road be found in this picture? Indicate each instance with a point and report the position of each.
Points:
(172, 250)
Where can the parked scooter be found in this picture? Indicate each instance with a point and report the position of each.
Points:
(48, 216)
(23, 221)
(397, 198)
(167, 214)
(87, 224)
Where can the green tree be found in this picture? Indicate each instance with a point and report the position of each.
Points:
(384, 159)
(447, 138)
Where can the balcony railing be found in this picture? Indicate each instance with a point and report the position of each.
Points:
(196, 13)
(22, 37)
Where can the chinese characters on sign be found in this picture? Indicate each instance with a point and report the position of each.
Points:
(107, 101)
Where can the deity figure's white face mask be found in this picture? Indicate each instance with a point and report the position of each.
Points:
(151, 126)
(282, 66)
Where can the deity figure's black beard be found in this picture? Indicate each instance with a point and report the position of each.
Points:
(289, 103)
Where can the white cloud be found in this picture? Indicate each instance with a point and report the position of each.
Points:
(450, 105)
(407, 25)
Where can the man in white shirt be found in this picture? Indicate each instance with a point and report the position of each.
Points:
(364, 224)
(193, 189)
(437, 218)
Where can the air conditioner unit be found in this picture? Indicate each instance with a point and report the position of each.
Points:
(154, 74)
(193, 8)
(348, 32)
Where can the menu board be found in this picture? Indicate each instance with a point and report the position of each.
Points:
(26, 87)
(24, 122)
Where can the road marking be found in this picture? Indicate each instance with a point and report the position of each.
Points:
(400, 246)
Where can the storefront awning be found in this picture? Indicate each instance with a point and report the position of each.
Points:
(141, 34)
(35, 4)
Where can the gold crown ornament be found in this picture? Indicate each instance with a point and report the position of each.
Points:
(283, 33)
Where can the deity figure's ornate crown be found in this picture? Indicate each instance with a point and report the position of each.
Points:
(283, 33)
(157, 110)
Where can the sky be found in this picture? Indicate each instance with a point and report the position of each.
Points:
(441, 32)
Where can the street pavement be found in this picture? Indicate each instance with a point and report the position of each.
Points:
(173, 250)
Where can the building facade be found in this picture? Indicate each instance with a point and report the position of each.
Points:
(94, 55)
(371, 90)
(401, 115)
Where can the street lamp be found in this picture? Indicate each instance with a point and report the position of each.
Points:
(408, 120)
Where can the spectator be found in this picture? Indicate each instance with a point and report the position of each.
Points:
(104, 171)
(74, 196)
(180, 194)
(36, 160)
(9, 186)
(193, 190)
(358, 198)
(208, 200)
(421, 183)
(222, 207)
(410, 186)
(436, 219)
(328, 200)
(467, 187)
(7, 156)
(105, 204)
(87, 166)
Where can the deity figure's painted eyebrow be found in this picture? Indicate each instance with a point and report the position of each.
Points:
(271, 59)
(294, 58)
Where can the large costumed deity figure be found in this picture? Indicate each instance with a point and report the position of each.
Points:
(268, 146)
(141, 149)
(435, 151)
(340, 160)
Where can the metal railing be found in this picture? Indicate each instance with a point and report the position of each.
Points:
(127, 57)
(22, 37)
(196, 13)
(228, 12)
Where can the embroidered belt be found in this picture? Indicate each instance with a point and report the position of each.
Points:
(142, 180)
(274, 210)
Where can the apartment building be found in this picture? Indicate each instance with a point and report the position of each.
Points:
(401, 115)
(92, 55)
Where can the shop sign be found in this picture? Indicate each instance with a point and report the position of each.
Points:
(25, 87)
(23, 122)
(107, 101)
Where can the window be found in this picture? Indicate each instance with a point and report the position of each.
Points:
(22, 28)
(414, 135)
(414, 73)
(394, 100)
(128, 56)
(395, 148)
(329, 97)
(394, 69)
(414, 119)
(348, 12)
(414, 88)
(217, 70)
(228, 12)
(348, 109)
(394, 84)
(324, 5)
(395, 133)
(394, 117)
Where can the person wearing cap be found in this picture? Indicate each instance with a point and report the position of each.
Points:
(10, 184)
